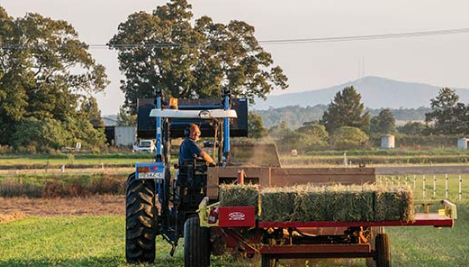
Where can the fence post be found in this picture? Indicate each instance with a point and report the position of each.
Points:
(446, 185)
(434, 186)
(414, 181)
(406, 180)
(386, 181)
(424, 180)
(460, 187)
(398, 181)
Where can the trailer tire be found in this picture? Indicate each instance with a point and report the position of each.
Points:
(196, 244)
(141, 220)
(383, 251)
(374, 231)
(267, 261)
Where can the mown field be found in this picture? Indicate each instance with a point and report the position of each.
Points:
(99, 241)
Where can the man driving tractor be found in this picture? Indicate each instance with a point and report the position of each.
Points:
(189, 149)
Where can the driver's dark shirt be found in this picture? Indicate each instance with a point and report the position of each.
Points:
(188, 150)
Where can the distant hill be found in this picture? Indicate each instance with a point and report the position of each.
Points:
(376, 93)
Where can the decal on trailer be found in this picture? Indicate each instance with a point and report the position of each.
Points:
(236, 216)
(240, 216)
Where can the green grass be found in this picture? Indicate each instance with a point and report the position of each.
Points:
(99, 241)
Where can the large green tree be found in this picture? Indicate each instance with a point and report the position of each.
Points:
(191, 58)
(124, 118)
(91, 112)
(44, 70)
(384, 123)
(412, 128)
(448, 115)
(346, 110)
(255, 127)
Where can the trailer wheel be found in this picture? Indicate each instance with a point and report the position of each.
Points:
(383, 251)
(268, 261)
(196, 244)
(140, 224)
(374, 231)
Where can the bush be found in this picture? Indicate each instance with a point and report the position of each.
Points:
(42, 136)
(346, 138)
(5, 150)
(62, 186)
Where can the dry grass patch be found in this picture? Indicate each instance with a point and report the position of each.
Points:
(17, 215)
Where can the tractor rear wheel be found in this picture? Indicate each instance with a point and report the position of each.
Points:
(383, 251)
(196, 244)
(141, 220)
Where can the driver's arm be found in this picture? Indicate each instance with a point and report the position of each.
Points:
(206, 157)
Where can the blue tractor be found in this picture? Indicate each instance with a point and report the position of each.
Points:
(156, 203)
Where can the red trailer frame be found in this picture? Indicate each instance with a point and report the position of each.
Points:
(241, 231)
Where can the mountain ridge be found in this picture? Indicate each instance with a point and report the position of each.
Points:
(376, 92)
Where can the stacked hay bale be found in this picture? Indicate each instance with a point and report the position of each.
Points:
(313, 203)
(277, 204)
(239, 195)
(394, 204)
(305, 203)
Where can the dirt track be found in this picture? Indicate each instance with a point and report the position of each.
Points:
(95, 205)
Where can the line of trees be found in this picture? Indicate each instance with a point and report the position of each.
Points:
(346, 125)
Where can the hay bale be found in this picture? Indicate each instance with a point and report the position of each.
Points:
(347, 205)
(239, 195)
(313, 203)
(394, 204)
(367, 202)
(277, 204)
(407, 204)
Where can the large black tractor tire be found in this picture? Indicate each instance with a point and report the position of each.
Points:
(383, 251)
(141, 220)
(196, 244)
(268, 261)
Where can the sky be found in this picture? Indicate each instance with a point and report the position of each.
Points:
(441, 60)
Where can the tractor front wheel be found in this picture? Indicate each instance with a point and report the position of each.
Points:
(141, 220)
(196, 244)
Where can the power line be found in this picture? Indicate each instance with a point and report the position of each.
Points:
(269, 42)
(367, 37)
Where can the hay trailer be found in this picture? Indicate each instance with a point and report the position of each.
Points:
(239, 229)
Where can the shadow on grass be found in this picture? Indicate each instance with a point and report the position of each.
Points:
(91, 261)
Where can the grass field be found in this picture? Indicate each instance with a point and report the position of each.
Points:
(99, 241)
(371, 157)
